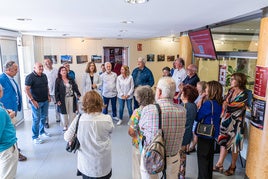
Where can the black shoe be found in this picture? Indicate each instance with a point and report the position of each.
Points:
(57, 120)
(46, 125)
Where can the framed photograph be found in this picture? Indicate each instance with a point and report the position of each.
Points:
(170, 58)
(53, 58)
(81, 59)
(66, 58)
(96, 58)
(150, 57)
(161, 58)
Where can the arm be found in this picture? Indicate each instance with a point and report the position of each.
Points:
(30, 97)
(151, 79)
(204, 111)
(68, 135)
(84, 84)
(131, 87)
(98, 81)
(118, 88)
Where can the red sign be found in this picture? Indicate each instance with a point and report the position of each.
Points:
(139, 47)
(261, 81)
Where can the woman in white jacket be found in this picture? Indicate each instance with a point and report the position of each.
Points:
(94, 159)
(125, 90)
(91, 80)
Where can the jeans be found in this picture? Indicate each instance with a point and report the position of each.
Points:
(136, 104)
(39, 116)
(122, 105)
(106, 102)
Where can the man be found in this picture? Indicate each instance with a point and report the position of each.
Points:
(36, 88)
(142, 76)
(51, 74)
(192, 77)
(173, 126)
(8, 148)
(179, 75)
(109, 91)
(11, 98)
(70, 72)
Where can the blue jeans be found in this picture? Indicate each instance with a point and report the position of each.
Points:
(122, 105)
(136, 104)
(39, 116)
(106, 102)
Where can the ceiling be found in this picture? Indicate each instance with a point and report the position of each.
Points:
(103, 18)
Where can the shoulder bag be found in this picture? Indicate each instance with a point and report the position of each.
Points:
(74, 144)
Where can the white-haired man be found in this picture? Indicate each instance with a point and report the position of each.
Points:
(173, 126)
(142, 76)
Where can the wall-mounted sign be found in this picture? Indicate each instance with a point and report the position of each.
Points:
(258, 112)
(139, 47)
(261, 81)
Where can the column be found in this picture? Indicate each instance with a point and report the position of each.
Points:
(257, 165)
(185, 49)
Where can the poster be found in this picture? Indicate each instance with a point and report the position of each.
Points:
(222, 74)
(261, 81)
(258, 112)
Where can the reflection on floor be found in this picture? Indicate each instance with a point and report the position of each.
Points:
(51, 161)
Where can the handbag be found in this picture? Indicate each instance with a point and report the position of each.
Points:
(206, 130)
(74, 144)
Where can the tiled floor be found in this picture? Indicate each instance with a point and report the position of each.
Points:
(51, 161)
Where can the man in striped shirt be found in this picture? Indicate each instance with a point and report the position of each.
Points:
(173, 125)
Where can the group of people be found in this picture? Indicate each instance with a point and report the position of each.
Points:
(184, 100)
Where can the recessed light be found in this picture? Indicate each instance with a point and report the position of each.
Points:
(247, 29)
(123, 31)
(24, 19)
(65, 34)
(50, 29)
(136, 1)
(127, 22)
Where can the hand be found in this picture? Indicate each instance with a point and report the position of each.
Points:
(11, 113)
(35, 104)
(94, 86)
(58, 103)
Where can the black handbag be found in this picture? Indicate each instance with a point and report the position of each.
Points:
(74, 144)
(206, 130)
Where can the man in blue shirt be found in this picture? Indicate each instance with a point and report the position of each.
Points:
(142, 76)
(8, 149)
(11, 98)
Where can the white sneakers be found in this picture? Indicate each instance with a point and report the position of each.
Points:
(38, 141)
(116, 118)
(119, 122)
(45, 134)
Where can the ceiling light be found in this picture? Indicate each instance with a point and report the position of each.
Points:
(127, 22)
(49, 29)
(136, 1)
(65, 35)
(123, 31)
(24, 19)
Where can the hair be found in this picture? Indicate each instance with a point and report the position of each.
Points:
(203, 85)
(168, 86)
(214, 91)
(92, 102)
(141, 59)
(105, 64)
(102, 65)
(241, 80)
(9, 65)
(193, 67)
(126, 69)
(190, 92)
(166, 68)
(66, 63)
(47, 58)
(144, 95)
(88, 67)
(181, 61)
(59, 75)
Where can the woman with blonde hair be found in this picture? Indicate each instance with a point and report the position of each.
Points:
(91, 79)
(125, 90)
(94, 158)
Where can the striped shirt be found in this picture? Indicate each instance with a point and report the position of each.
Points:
(173, 124)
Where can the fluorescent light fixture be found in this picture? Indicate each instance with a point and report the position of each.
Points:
(123, 30)
(136, 1)
(24, 19)
(127, 22)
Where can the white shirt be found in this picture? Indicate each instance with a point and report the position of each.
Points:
(179, 76)
(125, 86)
(94, 156)
(51, 78)
(86, 82)
(109, 84)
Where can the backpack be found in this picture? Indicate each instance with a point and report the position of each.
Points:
(155, 153)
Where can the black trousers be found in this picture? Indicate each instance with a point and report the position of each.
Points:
(205, 155)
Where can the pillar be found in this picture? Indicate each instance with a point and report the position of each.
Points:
(185, 49)
(257, 157)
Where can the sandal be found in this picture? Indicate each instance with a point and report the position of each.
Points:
(230, 171)
(218, 169)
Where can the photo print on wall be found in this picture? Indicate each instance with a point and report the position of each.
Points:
(161, 58)
(170, 58)
(53, 58)
(81, 59)
(150, 57)
(66, 58)
(96, 58)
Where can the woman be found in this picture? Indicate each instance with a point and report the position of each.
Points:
(145, 96)
(188, 96)
(66, 91)
(201, 88)
(94, 158)
(231, 133)
(209, 112)
(91, 80)
(125, 90)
